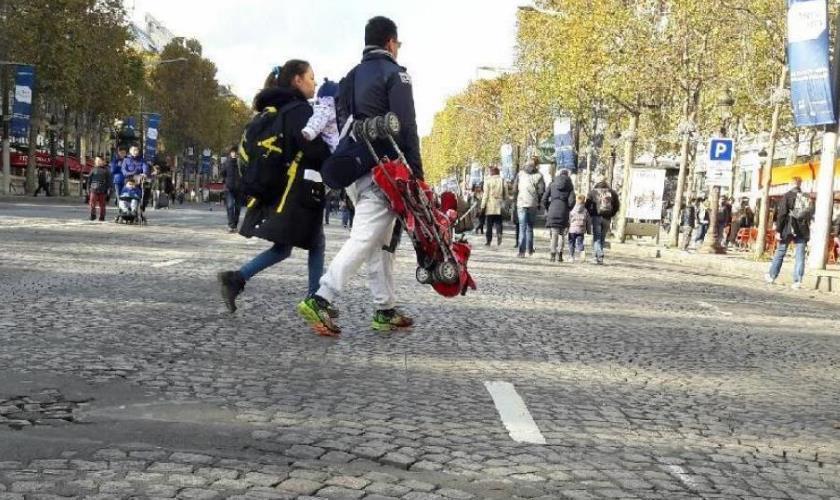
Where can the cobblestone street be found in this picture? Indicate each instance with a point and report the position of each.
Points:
(122, 375)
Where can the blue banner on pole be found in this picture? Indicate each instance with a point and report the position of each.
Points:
(206, 162)
(22, 106)
(810, 77)
(564, 150)
(151, 136)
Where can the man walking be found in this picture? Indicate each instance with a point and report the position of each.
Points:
(687, 223)
(602, 204)
(376, 86)
(528, 192)
(43, 182)
(495, 193)
(793, 225)
(98, 184)
(233, 189)
(117, 176)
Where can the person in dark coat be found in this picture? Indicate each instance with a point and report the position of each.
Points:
(603, 204)
(558, 200)
(296, 219)
(43, 182)
(688, 220)
(233, 189)
(793, 225)
(98, 184)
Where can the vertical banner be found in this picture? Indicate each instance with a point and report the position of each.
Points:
(206, 162)
(506, 154)
(564, 151)
(476, 174)
(810, 77)
(22, 105)
(647, 187)
(151, 137)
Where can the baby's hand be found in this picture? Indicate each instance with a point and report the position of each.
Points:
(308, 134)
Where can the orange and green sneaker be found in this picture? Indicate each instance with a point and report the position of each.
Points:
(316, 311)
(390, 319)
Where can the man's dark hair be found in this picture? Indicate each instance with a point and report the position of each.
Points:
(379, 30)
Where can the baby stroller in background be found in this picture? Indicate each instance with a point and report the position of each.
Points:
(441, 261)
(137, 215)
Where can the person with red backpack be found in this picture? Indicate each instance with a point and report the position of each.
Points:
(602, 203)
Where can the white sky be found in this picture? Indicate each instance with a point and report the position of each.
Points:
(444, 41)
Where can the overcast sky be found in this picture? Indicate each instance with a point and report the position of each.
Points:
(444, 41)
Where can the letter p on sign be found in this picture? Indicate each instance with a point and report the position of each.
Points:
(721, 149)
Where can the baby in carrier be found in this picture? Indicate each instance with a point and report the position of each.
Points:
(323, 121)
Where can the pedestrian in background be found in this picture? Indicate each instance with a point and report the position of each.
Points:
(43, 182)
(495, 193)
(478, 195)
(528, 191)
(724, 221)
(793, 225)
(702, 222)
(117, 176)
(98, 185)
(558, 200)
(602, 203)
(578, 222)
(233, 189)
(687, 222)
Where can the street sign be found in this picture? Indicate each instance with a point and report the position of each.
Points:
(719, 163)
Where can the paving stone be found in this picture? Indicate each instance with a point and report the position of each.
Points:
(336, 492)
(300, 486)
(398, 460)
(191, 458)
(418, 485)
(387, 489)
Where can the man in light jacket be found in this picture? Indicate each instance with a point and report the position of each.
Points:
(528, 192)
(495, 193)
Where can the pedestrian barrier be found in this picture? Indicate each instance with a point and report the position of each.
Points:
(642, 229)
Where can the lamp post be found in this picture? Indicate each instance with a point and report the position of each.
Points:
(714, 245)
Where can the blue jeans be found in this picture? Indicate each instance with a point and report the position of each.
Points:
(527, 218)
(575, 243)
(233, 203)
(799, 263)
(701, 235)
(278, 253)
(599, 235)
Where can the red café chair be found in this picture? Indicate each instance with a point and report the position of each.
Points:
(742, 239)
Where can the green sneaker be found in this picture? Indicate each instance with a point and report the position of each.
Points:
(315, 311)
(390, 319)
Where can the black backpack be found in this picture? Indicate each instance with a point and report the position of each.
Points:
(263, 158)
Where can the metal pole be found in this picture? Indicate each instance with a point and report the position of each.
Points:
(7, 157)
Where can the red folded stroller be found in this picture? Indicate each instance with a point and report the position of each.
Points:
(441, 261)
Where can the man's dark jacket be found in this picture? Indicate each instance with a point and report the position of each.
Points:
(376, 86)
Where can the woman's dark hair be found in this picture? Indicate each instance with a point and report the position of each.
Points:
(282, 76)
(379, 30)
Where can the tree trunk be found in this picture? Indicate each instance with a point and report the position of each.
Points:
(767, 172)
(629, 157)
(674, 233)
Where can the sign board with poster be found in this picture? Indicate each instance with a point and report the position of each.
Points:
(646, 188)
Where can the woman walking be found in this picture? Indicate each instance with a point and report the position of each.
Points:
(559, 199)
(287, 220)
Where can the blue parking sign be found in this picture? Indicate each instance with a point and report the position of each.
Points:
(721, 150)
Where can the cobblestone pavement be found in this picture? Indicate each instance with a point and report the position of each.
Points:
(121, 376)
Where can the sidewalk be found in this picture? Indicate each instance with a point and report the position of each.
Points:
(733, 262)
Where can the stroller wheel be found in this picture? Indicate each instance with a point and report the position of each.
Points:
(391, 124)
(447, 272)
(423, 275)
(372, 129)
(359, 130)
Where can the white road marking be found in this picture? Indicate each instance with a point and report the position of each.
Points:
(713, 307)
(514, 413)
(168, 263)
(683, 476)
